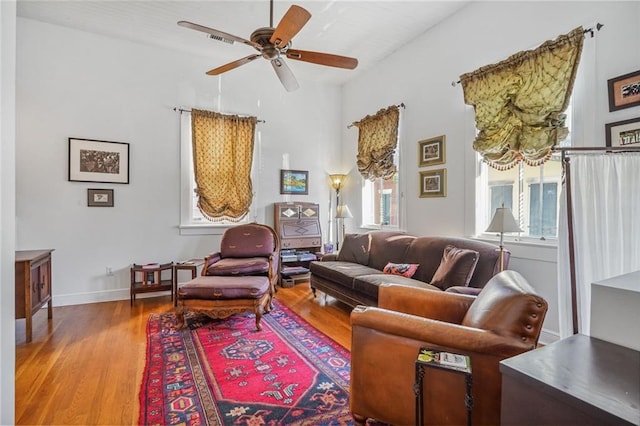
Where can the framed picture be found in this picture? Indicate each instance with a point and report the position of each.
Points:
(98, 161)
(294, 182)
(433, 183)
(623, 133)
(432, 151)
(100, 197)
(624, 91)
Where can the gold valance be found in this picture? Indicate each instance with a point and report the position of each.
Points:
(519, 102)
(377, 141)
(222, 158)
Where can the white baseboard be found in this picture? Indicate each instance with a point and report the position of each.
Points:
(99, 296)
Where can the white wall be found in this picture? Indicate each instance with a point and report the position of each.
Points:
(7, 209)
(420, 75)
(76, 84)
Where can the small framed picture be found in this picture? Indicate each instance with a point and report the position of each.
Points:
(98, 161)
(623, 133)
(624, 91)
(294, 182)
(432, 151)
(100, 197)
(433, 183)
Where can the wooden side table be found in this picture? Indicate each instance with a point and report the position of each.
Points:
(33, 285)
(149, 278)
(188, 265)
(460, 364)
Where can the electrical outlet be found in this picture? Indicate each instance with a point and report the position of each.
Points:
(109, 271)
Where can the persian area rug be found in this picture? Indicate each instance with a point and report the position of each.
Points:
(224, 372)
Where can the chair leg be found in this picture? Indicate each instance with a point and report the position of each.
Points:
(359, 420)
(180, 323)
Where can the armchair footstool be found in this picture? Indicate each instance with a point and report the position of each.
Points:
(223, 296)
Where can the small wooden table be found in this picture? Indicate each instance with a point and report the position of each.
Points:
(151, 279)
(33, 285)
(188, 265)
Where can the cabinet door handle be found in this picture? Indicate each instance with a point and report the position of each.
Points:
(42, 284)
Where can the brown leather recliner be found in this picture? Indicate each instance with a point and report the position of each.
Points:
(504, 320)
(249, 249)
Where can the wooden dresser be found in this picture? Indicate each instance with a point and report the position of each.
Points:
(33, 285)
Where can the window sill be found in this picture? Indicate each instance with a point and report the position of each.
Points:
(202, 229)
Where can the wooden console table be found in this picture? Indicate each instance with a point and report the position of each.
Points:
(579, 380)
(33, 285)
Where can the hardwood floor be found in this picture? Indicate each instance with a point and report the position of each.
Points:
(85, 366)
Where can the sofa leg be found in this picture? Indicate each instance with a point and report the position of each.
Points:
(313, 290)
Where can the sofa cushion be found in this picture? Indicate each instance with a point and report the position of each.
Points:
(355, 248)
(389, 246)
(456, 267)
(239, 266)
(404, 269)
(368, 284)
(340, 272)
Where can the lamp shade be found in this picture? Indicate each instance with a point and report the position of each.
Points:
(503, 221)
(343, 212)
(337, 180)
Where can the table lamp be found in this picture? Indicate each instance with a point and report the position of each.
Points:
(503, 221)
(342, 213)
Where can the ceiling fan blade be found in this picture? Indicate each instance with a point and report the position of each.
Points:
(232, 65)
(218, 35)
(285, 75)
(323, 58)
(290, 24)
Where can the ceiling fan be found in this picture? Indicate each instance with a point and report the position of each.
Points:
(274, 44)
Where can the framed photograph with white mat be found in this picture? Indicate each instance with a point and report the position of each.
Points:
(98, 161)
(623, 133)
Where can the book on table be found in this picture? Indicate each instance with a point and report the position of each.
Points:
(444, 359)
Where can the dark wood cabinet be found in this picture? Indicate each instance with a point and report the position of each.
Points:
(579, 380)
(298, 225)
(33, 285)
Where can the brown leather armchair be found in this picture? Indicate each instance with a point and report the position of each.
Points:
(504, 320)
(251, 249)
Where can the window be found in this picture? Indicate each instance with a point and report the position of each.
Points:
(532, 194)
(192, 221)
(380, 203)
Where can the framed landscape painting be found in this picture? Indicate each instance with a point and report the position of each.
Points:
(294, 182)
(432, 151)
(98, 161)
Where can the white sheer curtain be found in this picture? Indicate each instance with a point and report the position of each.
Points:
(606, 202)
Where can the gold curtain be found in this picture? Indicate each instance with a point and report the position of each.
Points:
(222, 157)
(377, 140)
(519, 102)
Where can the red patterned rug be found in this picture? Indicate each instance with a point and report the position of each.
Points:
(224, 372)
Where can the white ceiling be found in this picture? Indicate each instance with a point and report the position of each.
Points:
(366, 30)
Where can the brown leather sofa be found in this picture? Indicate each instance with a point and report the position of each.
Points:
(504, 320)
(354, 274)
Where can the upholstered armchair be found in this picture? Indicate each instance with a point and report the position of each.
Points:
(504, 320)
(251, 249)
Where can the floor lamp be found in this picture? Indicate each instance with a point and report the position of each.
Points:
(337, 181)
(342, 213)
(503, 221)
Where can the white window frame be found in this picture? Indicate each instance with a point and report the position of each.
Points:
(192, 222)
(367, 192)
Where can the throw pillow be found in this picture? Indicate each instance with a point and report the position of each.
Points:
(404, 269)
(456, 267)
(355, 248)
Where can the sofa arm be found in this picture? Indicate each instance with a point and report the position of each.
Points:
(458, 338)
(330, 257)
(210, 260)
(425, 303)
(459, 289)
